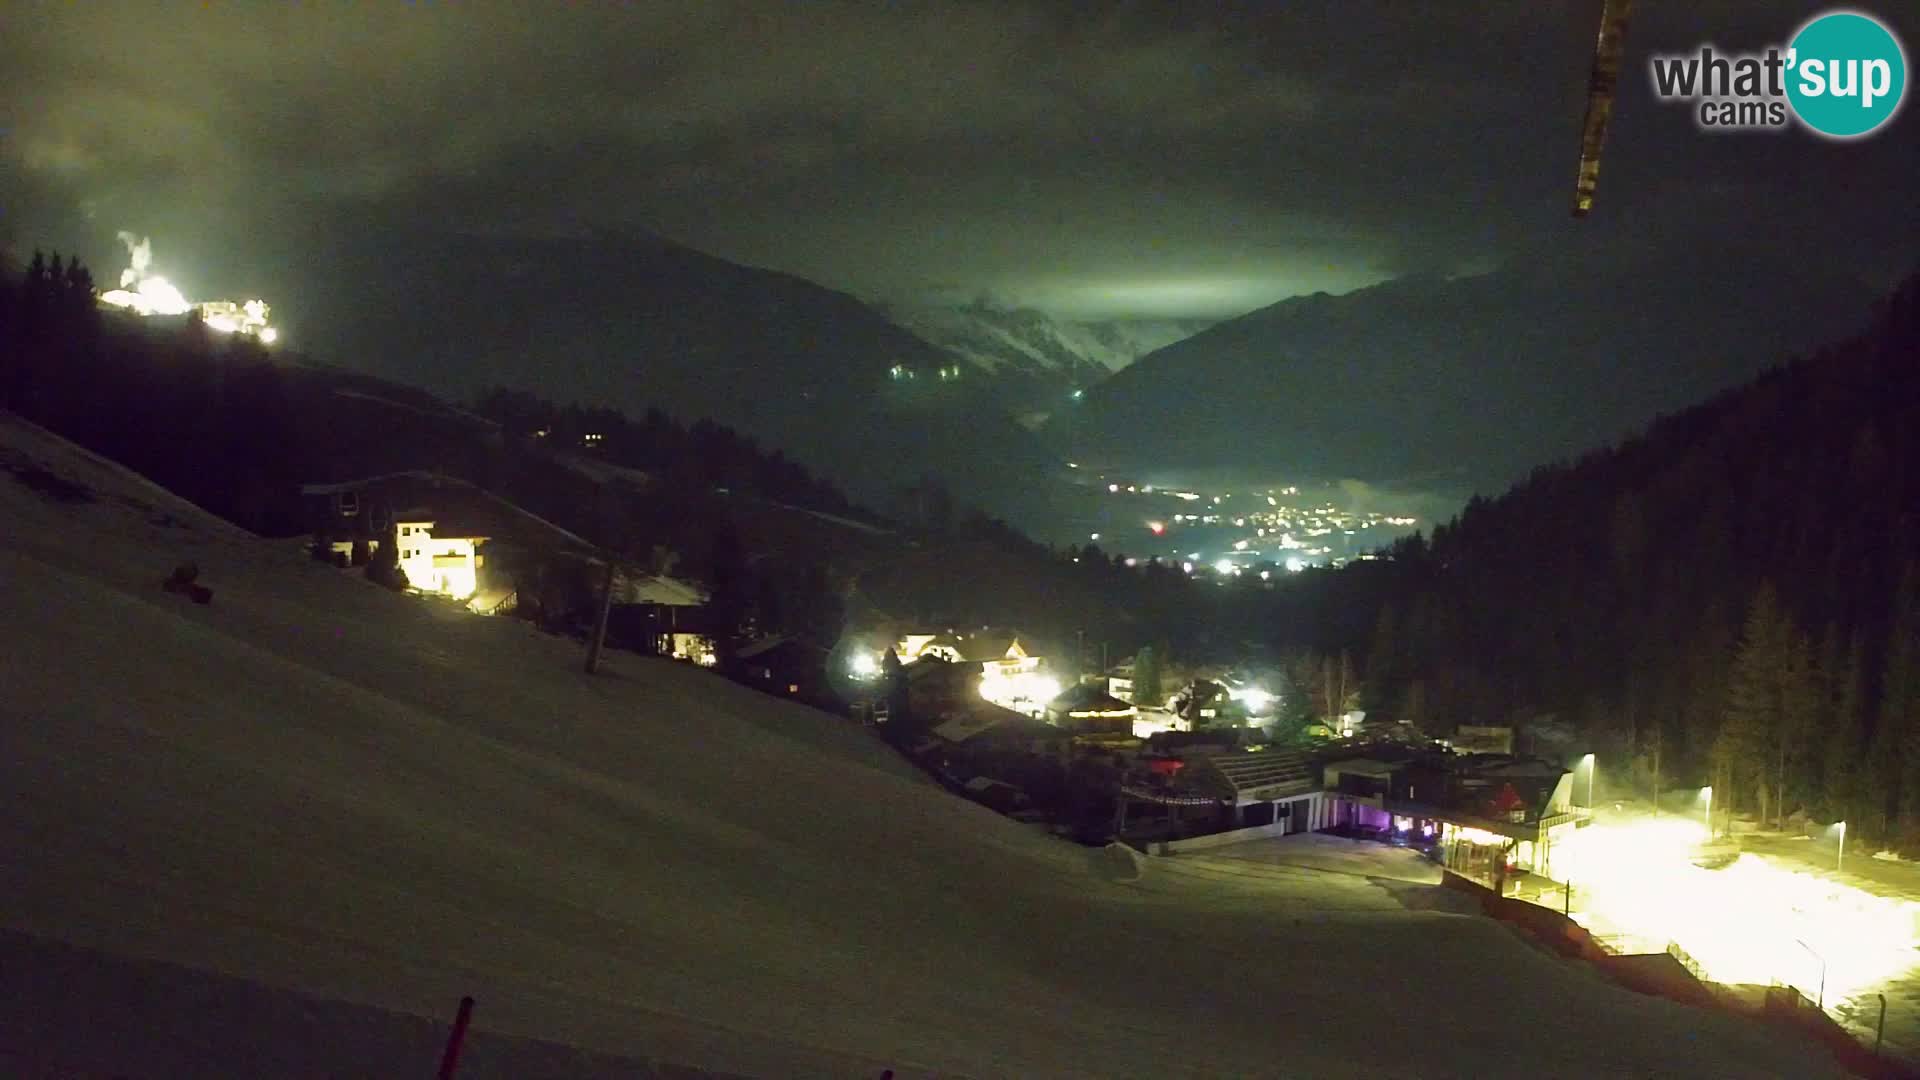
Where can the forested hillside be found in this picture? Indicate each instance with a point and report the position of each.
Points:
(220, 420)
(1730, 598)
(237, 430)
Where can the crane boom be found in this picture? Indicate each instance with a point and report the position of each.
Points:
(1607, 49)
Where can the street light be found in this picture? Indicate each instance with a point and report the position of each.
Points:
(1840, 864)
(1593, 765)
(1708, 792)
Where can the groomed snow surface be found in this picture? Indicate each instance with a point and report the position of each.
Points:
(367, 805)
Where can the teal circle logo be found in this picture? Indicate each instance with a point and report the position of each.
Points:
(1846, 74)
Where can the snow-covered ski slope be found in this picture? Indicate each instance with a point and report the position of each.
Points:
(316, 785)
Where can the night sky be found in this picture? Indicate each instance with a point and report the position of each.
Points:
(1094, 160)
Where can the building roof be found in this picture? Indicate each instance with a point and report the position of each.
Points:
(984, 644)
(985, 783)
(1256, 777)
(666, 591)
(1089, 699)
(1366, 767)
(781, 646)
(1490, 765)
(1195, 743)
(1024, 728)
(984, 719)
(932, 666)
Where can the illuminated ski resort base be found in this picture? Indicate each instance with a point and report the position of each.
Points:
(147, 295)
(1754, 922)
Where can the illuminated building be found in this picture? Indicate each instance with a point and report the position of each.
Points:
(439, 526)
(448, 565)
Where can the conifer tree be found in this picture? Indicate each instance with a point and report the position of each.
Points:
(1899, 734)
(1845, 740)
(1146, 678)
(1770, 703)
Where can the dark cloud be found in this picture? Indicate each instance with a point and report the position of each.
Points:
(1119, 159)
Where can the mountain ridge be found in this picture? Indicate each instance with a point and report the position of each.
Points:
(1033, 361)
(1383, 382)
(638, 321)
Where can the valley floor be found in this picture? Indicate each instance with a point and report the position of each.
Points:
(384, 804)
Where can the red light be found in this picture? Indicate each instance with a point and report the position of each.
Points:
(1157, 527)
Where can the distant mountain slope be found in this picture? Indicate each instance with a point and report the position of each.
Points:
(635, 321)
(1033, 357)
(1615, 591)
(1472, 380)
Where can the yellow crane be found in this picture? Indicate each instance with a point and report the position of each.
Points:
(1607, 49)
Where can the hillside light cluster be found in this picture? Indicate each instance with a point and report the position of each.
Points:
(147, 294)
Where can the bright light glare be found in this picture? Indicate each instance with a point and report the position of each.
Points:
(1023, 692)
(147, 294)
(269, 335)
(152, 296)
(864, 666)
(1254, 698)
(1223, 567)
(1743, 924)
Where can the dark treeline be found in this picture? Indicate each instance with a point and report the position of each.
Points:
(1729, 599)
(704, 455)
(201, 413)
